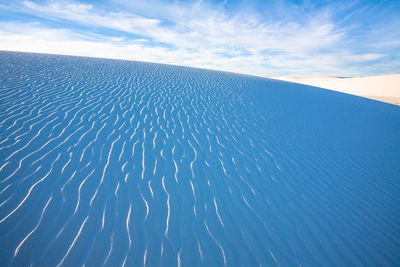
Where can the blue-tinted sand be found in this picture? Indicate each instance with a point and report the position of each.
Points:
(107, 162)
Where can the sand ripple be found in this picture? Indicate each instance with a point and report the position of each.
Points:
(110, 163)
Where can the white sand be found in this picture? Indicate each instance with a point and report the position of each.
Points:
(384, 88)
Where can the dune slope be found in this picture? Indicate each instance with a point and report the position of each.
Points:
(106, 162)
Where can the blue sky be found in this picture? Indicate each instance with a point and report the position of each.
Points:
(267, 38)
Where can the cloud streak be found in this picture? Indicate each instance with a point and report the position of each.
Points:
(199, 34)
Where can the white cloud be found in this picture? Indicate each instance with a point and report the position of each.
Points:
(88, 15)
(197, 35)
(40, 39)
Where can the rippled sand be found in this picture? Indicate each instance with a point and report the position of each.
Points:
(107, 162)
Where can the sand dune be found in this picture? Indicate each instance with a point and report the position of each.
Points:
(121, 163)
(385, 88)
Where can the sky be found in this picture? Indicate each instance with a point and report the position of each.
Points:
(264, 38)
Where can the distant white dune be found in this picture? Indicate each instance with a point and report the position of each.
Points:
(384, 88)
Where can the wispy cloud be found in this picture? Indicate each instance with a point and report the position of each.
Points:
(201, 34)
(88, 15)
